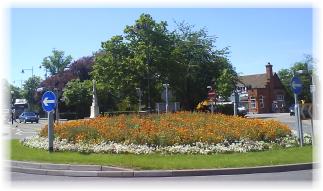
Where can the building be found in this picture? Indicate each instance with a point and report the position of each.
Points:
(262, 93)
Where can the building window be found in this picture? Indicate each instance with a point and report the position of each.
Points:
(280, 98)
(261, 101)
(252, 102)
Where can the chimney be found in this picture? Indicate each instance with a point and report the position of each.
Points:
(269, 70)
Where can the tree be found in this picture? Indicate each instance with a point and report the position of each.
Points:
(79, 69)
(57, 62)
(78, 96)
(286, 75)
(148, 55)
(30, 94)
(201, 65)
(17, 92)
(82, 67)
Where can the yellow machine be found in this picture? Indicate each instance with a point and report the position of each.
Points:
(202, 106)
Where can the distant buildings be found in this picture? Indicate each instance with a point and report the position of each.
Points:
(262, 93)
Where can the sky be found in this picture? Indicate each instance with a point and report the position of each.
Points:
(255, 36)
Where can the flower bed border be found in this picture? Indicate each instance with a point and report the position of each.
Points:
(241, 146)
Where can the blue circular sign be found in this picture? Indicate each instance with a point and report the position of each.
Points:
(48, 101)
(296, 85)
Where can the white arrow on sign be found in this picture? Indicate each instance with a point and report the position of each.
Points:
(296, 85)
(47, 101)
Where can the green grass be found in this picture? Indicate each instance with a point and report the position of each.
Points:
(157, 161)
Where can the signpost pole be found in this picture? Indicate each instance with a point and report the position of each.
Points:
(297, 88)
(297, 117)
(212, 106)
(49, 102)
(50, 131)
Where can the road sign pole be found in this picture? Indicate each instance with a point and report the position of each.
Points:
(212, 107)
(298, 121)
(300, 126)
(49, 104)
(50, 131)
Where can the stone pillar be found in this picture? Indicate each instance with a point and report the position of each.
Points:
(94, 106)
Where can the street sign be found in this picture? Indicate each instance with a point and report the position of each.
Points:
(48, 101)
(211, 95)
(296, 85)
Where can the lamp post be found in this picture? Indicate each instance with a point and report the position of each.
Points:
(139, 93)
(32, 71)
(166, 87)
(45, 71)
(12, 107)
(57, 111)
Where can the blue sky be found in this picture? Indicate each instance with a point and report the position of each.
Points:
(254, 36)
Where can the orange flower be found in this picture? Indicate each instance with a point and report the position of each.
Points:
(168, 129)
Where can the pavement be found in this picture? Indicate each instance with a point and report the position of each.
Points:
(110, 171)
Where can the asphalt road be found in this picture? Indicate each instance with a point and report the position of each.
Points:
(287, 119)
(295, 180)
(21, 130)
(294, 176)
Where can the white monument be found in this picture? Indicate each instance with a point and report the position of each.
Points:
(94, 106)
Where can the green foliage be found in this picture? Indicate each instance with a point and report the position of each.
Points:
(30, 94)
(226, 82)
(150, 55)
(17, 92)
(125, 105)
(286, 75)
(90, 134)
(78, 95)
(57, 62)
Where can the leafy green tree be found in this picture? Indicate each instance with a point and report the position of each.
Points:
(78, 96)
(149, 55)
(226, 82)
(57, 62)
(200, 65)
(286, 75)
(30, 94)
(17, 92)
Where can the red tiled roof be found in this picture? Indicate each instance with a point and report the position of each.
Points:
(255, 81)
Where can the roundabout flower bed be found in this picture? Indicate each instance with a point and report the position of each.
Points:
(183, 132)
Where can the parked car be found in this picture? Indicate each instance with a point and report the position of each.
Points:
(242, 111)
(28, 117)
(292, 110)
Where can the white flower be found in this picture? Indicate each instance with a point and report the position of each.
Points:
(241, 146)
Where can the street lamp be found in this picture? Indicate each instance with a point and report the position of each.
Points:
(57, 111)
(12, 107)
(45, 71)
(166, 87)
(32, 71)
(139, 93)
